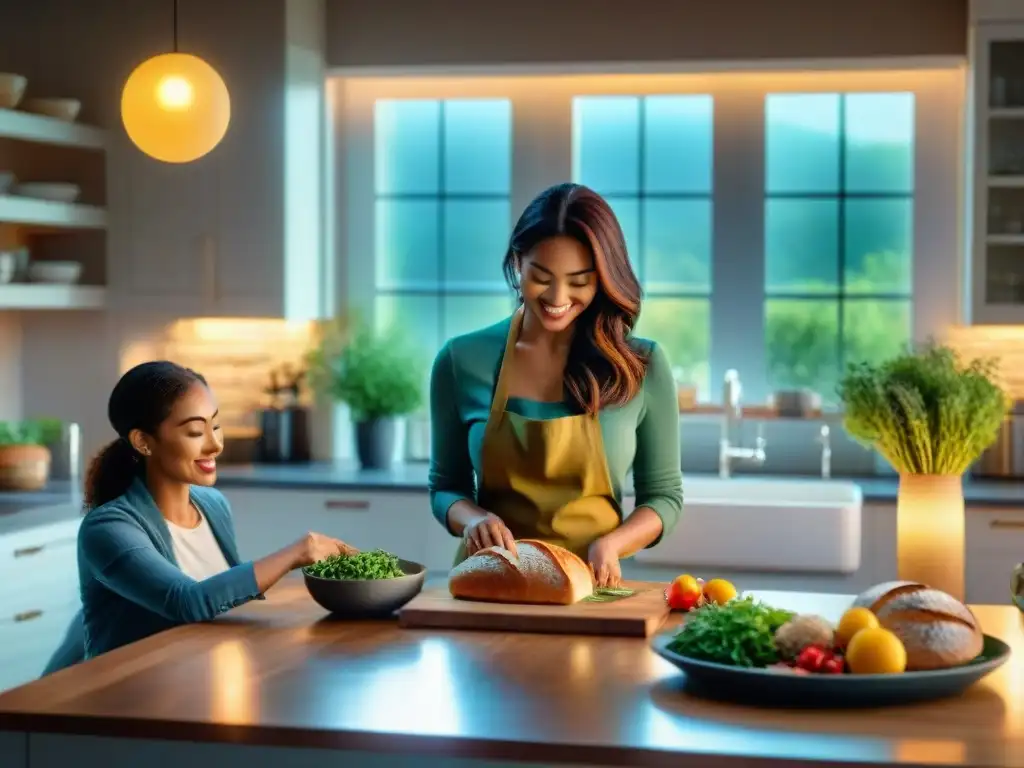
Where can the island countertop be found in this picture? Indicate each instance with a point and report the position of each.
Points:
(280, 674)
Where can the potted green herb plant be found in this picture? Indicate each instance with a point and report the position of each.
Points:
(930, 416)
(378, 375)
(24, 459)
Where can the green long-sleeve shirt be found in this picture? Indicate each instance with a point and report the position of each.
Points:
(642, 435)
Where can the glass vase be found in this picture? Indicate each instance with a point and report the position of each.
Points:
(930, 532)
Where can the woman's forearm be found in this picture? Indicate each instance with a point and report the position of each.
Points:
(637, 531)
(272, 568)
(461, 514)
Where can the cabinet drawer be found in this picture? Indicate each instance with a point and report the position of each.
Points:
(27, 644)
(995, 530)
(19, 549)
(995, 545)
(45, 578)
(268, 520)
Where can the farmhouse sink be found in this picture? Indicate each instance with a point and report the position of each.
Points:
(765, 525)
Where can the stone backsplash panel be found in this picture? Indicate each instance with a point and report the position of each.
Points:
(237, 356)
(1006, 343)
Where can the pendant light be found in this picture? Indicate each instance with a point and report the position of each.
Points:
(175, 107)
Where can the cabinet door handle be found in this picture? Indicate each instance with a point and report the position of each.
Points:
(1012, 524)
(27, 615)
(346, 504)
(26, 551)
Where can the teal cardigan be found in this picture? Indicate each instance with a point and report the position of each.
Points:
(130, 581)
(642, 435)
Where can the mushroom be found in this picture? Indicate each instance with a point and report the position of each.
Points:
(802, 631)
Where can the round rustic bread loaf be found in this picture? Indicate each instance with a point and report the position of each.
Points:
(937, 630)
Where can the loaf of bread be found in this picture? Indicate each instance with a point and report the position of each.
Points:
(542, 573)
(937, 630)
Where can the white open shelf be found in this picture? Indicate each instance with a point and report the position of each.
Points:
(40, 129)
(1005, 239)
(1006, 113)
(27, 210)
(1006, 181)
(49, 296)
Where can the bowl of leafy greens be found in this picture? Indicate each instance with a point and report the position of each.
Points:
(367, 584)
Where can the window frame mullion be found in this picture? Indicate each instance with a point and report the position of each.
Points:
(738, 264)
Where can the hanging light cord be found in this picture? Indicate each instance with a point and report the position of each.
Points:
(175, 26)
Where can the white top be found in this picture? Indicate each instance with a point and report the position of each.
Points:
(197, 550)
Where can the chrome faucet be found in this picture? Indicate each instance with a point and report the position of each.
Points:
(826, 451)
(731, 421)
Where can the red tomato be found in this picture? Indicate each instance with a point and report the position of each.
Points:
(833, 666)
(811, 658)
(683, 594)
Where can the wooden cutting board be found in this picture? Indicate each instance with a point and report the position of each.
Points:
(638, 616)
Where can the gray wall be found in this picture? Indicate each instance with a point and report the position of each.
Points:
(411, 33)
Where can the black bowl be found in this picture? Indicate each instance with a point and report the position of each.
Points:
(367, 598)
(774, 688)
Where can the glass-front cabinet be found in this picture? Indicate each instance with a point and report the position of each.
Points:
(996, 170)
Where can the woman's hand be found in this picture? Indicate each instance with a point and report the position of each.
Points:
(314, 547)
(604, 562)
(486, 531)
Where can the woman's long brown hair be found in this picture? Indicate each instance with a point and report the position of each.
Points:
(604, 368)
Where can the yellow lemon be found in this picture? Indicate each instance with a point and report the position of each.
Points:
(852, 622)
(876, 651)
(719, 591)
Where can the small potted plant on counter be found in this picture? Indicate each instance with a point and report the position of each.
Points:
(24, 459)
(930, 416)
(378, 376)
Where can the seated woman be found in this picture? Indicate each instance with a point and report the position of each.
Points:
(157, 547)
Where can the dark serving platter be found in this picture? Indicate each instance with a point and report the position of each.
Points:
(774, 687)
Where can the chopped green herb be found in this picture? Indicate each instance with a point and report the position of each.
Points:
(740, 633)
(375, 564)
(609, 594)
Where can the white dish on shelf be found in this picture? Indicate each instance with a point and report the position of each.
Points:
(12, 88)
(54, 272)
(56, 191)
(61, 109)
(7, 180)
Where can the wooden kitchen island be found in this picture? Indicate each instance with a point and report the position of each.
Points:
(277, 684)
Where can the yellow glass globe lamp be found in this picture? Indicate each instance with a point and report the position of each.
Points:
(175, 107)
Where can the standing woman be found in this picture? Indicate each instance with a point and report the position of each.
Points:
(537, 420)
(157, 547)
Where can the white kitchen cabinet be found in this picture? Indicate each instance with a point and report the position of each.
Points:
(996, 135)
(440, 546)
(995, 545)
(237, 233)
(39, 596)
(268, 519)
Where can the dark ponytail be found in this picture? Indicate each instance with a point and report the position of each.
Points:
(142, 399)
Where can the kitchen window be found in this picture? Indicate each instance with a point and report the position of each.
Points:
(780, 223)
(442, 178)
(839, 200)
(652, 158)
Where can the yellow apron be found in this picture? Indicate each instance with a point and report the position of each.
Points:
(546, 479)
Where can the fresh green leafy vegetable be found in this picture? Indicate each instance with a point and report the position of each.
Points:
(609, 594)
(375, 564)
(740, 633)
